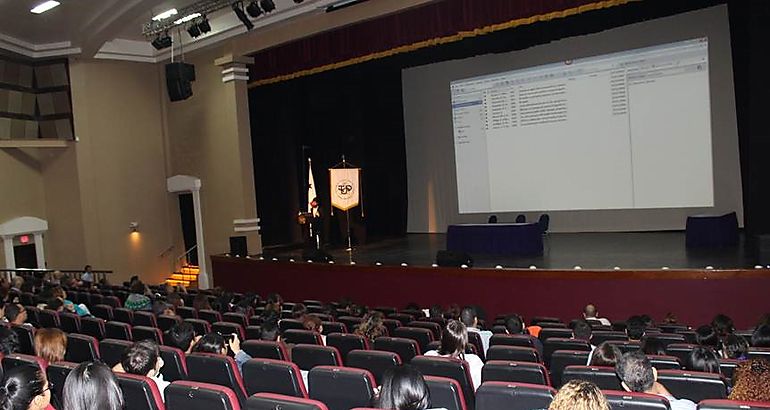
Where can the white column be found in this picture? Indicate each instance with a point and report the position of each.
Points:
(10, 259)
(203, 274)
(40, 250)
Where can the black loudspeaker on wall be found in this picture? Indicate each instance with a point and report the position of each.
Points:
(238, 246)
(455, 259)
(179, 77)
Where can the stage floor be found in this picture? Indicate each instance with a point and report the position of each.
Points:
(627, 250)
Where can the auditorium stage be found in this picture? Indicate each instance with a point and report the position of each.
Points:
(688, 290)
(627, 250)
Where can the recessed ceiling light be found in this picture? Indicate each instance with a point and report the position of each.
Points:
(43, 7)
(187, 18)
(166, 14)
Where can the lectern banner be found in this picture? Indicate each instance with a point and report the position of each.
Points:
(344, 188)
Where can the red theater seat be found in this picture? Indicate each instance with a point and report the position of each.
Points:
(341, 388)
(211, 316)
(48, 318)
(174, 364)
(512, 340)
(270, 401)
(287, 324)
(662, 362)
(70, 322)
(123, 315)
(201, 326)
(600, 337)
(166, 322)
(421, 336)
(226, 328)
(445, 393)
(93, 326)
(515, 372)
(145, 332)
(15, 359)
(57, 374)
(296, 336)
(513, 396)
(145, 319)
(26, 336)
(111, 350)
(273, 376)
(140, 392)
(556, 343)
(200, 396)
(102, 311)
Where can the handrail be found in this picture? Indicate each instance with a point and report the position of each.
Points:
(184, 255)
(35, 270)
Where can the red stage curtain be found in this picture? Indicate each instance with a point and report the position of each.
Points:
(437, 23)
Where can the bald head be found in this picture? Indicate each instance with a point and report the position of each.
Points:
(589, 311)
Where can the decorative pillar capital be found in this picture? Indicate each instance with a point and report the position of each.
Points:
(234, 68)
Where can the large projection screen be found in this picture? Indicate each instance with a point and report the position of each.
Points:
(630, 129)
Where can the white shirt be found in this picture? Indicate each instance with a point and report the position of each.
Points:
(162, 384)
(680, 404)
(604, 320)
(474, 364)
(485, 336)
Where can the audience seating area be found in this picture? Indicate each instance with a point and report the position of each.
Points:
(344, 373)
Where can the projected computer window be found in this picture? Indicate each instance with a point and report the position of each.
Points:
(617, 131)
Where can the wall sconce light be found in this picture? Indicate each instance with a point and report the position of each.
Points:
(133, 226)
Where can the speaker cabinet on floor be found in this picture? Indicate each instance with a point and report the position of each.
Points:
(238, 246)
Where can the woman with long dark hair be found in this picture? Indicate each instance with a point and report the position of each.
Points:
(454, 341)
(403, 388)
(25, 388)
(92, 386)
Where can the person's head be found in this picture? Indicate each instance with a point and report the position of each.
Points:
(653, 346)
(582, 330)
(211, 343)
(162, 308)
(454, 339)
(298, 311)
(514, 325)
(636, 372)
(24, 388)
(92, 386)
(723, 325)
(58, 292)
(647, 319)
(735, 347)
(635, 328)
(606, 354)
(201, 301)
(751, 381)
(50, 344)
(269, 329)
(403, 388)
(55, 304)
(436, 311)
(468, 317)
(312, 323)
(87, 268)
(9, 341)
(181, 336)
(372, 326)
(760, 337)
(274, 299)
(137, 287)
(589, 311)
(706, 336)
(314, 202)
(142, 358)
(670, 318)
(15, 313)
(579, 395)
(492, 219)
(175, 299)
(703, 359)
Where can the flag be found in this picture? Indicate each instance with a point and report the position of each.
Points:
(345, 184)
(310, 186)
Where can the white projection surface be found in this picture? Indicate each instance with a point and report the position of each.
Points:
(628, 130)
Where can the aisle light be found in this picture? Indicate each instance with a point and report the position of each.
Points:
(377, 264)
(616, 268)
(532, 267)
(498, 267)
(577, 267)
(434, 265)
(709, 267)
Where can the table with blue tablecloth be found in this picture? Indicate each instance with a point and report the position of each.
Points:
(519, 239)
(709, 231)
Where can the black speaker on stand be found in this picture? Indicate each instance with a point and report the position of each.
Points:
(238, 246)
(453, 259)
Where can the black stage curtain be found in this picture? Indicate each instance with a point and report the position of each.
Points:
(357, 111)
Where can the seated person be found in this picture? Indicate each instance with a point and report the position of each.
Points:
(579, 395)
(703, 359)
(137, 300)
(92, 386)
(590, 312)
(298, 311)
(514, 325)
(25, 388)
(403, 388)
(735, 347)
(723, 325)
(471, 321)
(216, 343)
(760, 337)
(606, 354)
(637, 375)
(372, 326)
(313, 323)
(751, 381)
(9, 341)
(706, 336)
(582, 331)
(454, 341)
(50, 344)
(635, 328)
(182, 336)
(653, 347)
(16, 314)
(143, 359)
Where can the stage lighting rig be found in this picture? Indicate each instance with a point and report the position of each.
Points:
(162, 41)
(267, 5)
(253, 9)
(238, 9)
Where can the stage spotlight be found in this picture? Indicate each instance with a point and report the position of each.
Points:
(253, 9)
(267, 5)
(162, 41)
(204, 26)
(194, 31)
(434, 265)
(238, 9)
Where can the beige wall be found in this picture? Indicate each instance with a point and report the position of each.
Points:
(209, 138)
(21, 187)
(120, 167)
